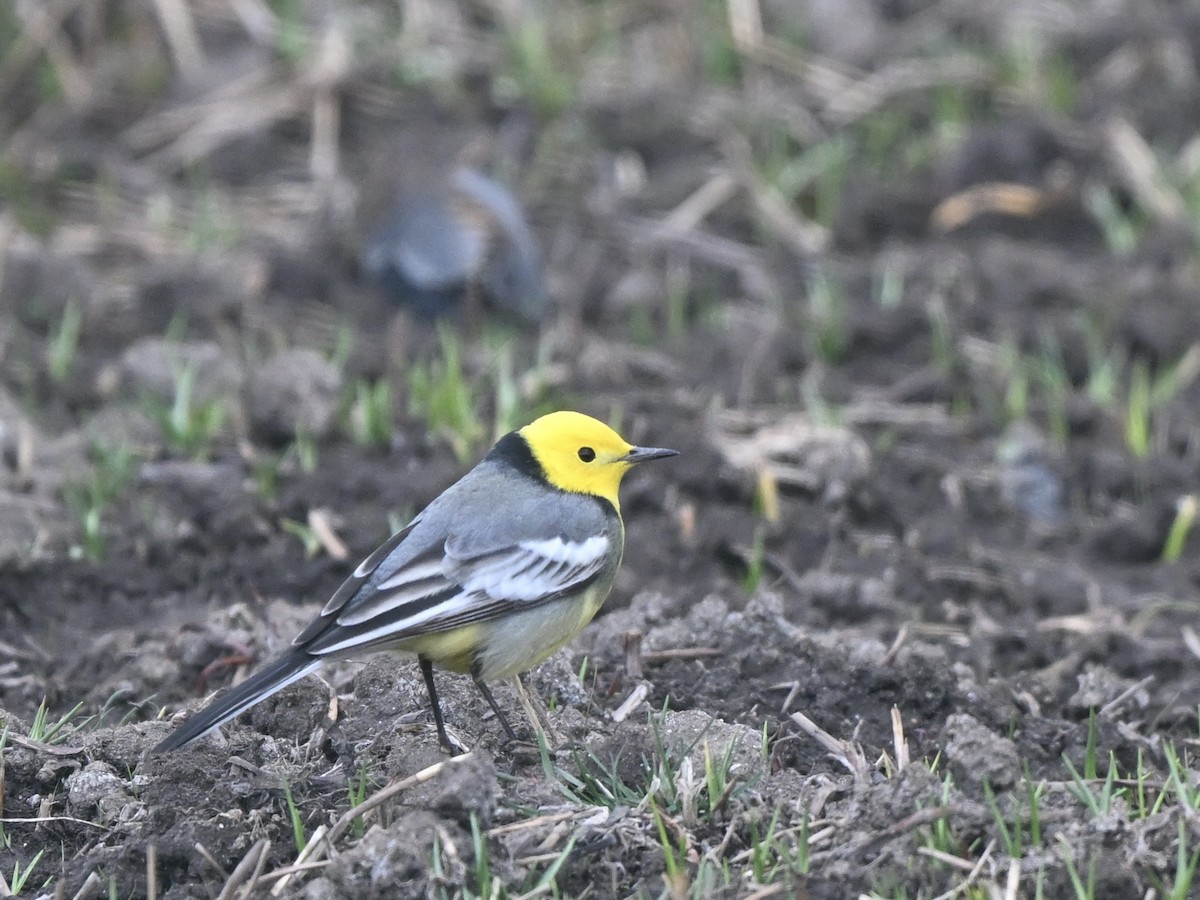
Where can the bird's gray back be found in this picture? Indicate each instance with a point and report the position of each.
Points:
(491, 508)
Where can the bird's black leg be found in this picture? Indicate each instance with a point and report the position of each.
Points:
(487, 695)
(443, 738)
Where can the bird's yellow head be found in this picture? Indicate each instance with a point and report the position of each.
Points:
(583, 455)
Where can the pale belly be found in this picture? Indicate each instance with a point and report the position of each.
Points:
(510, 645)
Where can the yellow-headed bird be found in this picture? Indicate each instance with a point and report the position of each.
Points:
(503, 568)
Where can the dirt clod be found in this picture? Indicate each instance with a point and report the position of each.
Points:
(977, 755)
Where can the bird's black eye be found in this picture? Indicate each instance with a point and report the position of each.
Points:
(587, 454)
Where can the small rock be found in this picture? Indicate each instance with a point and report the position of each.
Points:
(117, 427)
(322, 889)
(293, 393)
(154, 367)
(97, 791)
(694, 729)
(31, 462)
(34, 521)
(1134, 536)
(190, 495)
(1100, 685)
(638, 288)
(558, 678)
(464, 789)
(976, 755)
(822, 459)
(685, 735)
(823, 25)
(394, 861)
(214, 285)
(38, 279)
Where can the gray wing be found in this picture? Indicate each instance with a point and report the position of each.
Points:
(427, 243)
(512, 271)
(459, 580)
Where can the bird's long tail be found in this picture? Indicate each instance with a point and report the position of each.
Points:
(292, 666)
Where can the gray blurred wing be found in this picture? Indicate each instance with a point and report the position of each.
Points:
(427, 243)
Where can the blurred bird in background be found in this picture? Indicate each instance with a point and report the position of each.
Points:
(1029, 482)
(441, 245)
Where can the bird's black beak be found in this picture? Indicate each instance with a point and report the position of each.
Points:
(643, 454)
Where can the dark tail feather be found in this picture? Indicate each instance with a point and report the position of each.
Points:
(290, 667)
